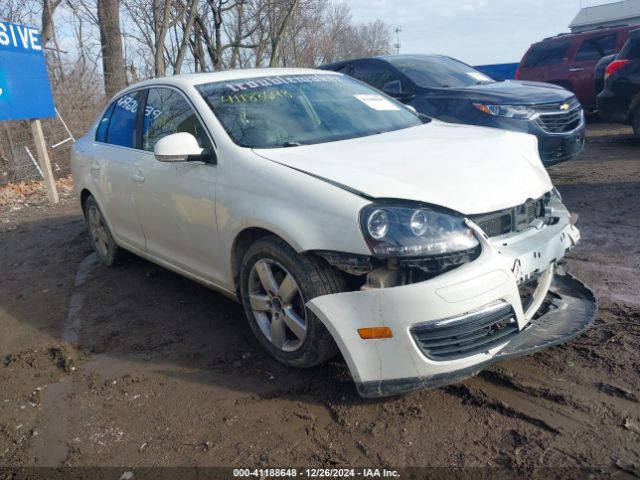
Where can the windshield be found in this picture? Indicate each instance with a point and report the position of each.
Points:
(292, 110)
(438, 72)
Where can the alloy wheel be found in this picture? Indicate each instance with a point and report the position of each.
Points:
(277, 305)
(98, 231)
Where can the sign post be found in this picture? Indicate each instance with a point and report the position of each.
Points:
(25, 93)
(45, 164)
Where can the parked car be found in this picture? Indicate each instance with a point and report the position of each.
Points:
(449, 90)
(619, 101)
(569, 60)
(339, 219)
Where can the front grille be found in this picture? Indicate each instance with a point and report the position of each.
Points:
(560, 122)
(466, 335)
(510, 220)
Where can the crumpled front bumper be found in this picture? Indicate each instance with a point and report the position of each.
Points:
(399, 364)
(573, 308)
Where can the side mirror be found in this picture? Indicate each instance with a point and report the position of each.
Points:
(177, 147)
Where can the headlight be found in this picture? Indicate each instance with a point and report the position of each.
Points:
(508, 111)
(403, 231)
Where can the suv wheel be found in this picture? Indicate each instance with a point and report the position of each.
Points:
(275, 284)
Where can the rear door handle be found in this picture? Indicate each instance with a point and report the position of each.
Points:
(138, 177)
(576, 69)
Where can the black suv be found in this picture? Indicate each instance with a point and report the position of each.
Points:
(448, 90)
(620, 99)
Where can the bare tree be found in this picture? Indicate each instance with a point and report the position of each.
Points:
(47, 31)
(115, 77)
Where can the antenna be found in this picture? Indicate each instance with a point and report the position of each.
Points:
(397, 45)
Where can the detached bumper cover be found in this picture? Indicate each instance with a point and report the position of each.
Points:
(570, 308)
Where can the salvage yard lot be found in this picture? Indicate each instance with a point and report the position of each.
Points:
(138, 366)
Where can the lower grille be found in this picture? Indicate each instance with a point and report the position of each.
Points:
(560, 122)
(468, 334)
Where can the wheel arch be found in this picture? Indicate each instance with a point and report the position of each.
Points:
(241, 243)
(84, 194)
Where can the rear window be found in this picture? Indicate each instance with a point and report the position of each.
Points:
(595, 48)
(631, 49)
(546, 53)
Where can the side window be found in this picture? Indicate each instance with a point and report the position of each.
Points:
(122, 126)
(101, 131)
(631, 49)
(595, 48)
(344, 68)
(546, 53)
(168, 112)
(373, 73)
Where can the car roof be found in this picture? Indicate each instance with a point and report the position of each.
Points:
(384, 58)
(192, 79)
(593, 31)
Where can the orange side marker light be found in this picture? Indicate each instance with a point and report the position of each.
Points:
(372, 333)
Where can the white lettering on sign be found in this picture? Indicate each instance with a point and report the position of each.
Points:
(19, 36)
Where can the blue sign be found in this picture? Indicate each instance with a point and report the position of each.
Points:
(501, 71)
(25, 92)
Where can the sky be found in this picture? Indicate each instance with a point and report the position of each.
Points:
(475, 31)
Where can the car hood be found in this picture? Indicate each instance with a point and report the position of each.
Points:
(464, 168)
(512, 92)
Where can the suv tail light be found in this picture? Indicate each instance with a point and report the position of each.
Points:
(518, 72)
(613, 67)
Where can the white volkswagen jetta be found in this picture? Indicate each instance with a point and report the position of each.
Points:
(341, 221)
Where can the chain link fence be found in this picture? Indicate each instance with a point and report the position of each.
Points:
(18, 158)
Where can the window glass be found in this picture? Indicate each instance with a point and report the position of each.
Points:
(101, 131)
(631, 49)
(546, 53)
(168, 112)
(286, 111)
(373, 73)
(595, 48)
(438, 72)
(122, 126)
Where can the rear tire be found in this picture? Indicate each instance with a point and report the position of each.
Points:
(100, 235)
(275, 284)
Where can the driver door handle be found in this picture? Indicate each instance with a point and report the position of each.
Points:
(138, 177)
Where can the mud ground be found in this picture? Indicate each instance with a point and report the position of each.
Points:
(137, 366)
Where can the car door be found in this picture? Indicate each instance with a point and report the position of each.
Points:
(582, 69)
(114, 153)
(175, 201)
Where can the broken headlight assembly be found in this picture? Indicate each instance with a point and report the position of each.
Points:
(400, 231)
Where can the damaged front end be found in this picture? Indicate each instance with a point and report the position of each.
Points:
(454, 312)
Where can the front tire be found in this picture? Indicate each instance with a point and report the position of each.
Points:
(275, 284)
(100, 235)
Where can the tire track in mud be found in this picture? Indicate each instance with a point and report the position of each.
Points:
(52, 449)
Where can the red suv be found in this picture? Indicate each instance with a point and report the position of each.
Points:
(570, 59)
